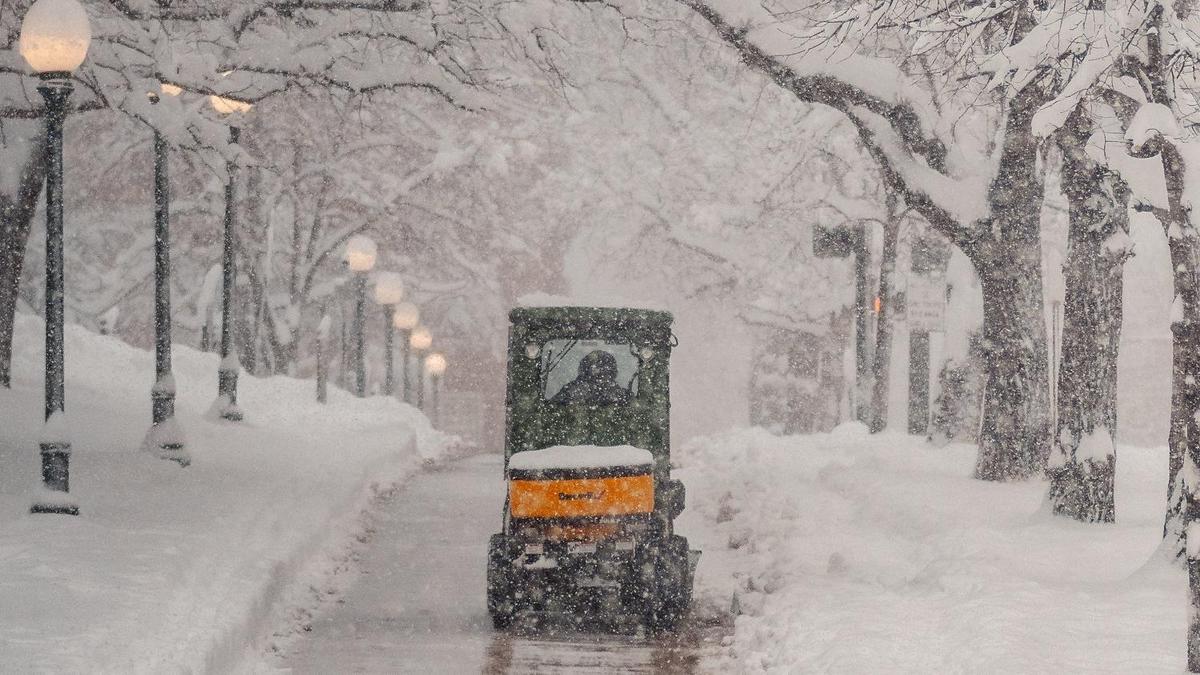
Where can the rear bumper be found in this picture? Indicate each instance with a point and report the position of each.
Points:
(521, 557)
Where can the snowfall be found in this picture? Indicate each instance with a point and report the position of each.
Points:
(840, 552)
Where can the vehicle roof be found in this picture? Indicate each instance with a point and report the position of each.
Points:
(542, 315)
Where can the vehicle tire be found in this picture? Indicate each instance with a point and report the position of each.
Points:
(669, 587)
(500, 601)
(501, 620)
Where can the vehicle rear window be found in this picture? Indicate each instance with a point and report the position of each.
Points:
(592, 372)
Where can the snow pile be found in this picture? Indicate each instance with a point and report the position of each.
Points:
(855, 553)
(171, 569)
(580, 457)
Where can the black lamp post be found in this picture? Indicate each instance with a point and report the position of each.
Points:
(54, 41)
(344, 356)
(360, 257)
(435, 365)
(164, 437)
(420, 341)
(323, 358)
(405, 318)
(389, 291)
(227, 370)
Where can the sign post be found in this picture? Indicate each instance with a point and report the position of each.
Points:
(926, 306)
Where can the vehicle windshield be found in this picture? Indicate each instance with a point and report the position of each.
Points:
(594, 372)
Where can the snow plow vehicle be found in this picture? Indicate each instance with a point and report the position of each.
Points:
(588, 523)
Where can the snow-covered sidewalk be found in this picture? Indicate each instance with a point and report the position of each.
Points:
(870, 554)
(172, 569)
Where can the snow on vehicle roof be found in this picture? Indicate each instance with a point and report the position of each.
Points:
(579, 457)
(586, 300)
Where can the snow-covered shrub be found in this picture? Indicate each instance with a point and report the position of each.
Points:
(956, 409)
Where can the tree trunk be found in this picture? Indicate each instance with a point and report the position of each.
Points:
(16, 219)
(1181, 530)
(1183, 239)
(1183, 479)
(882, 363)
(283, 354)
(1183, 502)
(1083, 463)
(1015, 433)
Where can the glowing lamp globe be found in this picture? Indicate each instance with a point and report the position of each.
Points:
(406, 316)
(389, 288)
(55, 35)
(435, 364)
(421, 339)
(360, 253)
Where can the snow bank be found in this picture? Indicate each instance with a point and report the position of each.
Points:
(171, 569)
(852, 553)
(580, 457)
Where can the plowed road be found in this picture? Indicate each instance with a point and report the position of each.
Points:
(417, 604)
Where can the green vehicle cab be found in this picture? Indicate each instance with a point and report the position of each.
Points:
(588, 522)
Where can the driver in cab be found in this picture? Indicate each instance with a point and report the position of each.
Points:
(596, 383)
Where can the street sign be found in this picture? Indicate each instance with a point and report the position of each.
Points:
(925, 302)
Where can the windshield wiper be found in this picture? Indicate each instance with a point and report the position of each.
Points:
(552, 363)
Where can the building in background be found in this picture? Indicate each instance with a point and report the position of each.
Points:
(797, 382)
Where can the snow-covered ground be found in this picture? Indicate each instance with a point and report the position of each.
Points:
(173, 569)
(867, 554)
(841, 552)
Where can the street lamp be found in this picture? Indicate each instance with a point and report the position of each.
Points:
(55, 36)
(420, 340)
(389, 291)
(165, 437)
(227, 371)
(435, 365)
(405, 317)
(360, 257)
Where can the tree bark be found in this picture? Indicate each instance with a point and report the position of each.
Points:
(1181, 529)
(1015, 432)
(1083, 463)
(16, 220)
(1183, 502)
(1183, 479)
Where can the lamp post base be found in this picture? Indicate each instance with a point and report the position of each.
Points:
(225, 409)
(226, 403)
(162, 403)
(54, 496)
(165, 440)
(40, 506)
